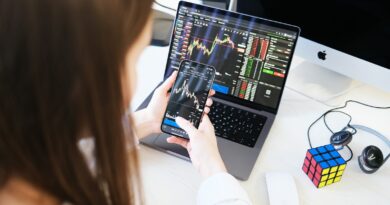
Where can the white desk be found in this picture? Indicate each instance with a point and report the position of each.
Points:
(170, 180)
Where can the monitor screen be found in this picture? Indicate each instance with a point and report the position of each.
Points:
(360, 28)
(251, 55)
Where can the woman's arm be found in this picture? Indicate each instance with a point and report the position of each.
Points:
(148, 120)
(219, 188)
(145, 123)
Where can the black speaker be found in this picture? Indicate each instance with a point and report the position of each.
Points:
(371, 158)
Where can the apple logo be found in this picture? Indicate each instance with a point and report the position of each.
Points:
(321, 55)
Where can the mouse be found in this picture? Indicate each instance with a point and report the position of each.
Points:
(281, 188)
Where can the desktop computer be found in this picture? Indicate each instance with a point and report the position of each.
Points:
(342, 41)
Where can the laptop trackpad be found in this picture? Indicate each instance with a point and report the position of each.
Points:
(174, 149)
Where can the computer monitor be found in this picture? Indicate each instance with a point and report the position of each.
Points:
(348, 37)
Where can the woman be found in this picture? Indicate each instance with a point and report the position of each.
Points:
(66, 77)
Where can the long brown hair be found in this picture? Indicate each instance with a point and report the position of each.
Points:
(61, 65)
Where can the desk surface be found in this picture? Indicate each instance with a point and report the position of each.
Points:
(170, 180)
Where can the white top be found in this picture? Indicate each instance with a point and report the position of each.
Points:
(219, 189)
(222, 189)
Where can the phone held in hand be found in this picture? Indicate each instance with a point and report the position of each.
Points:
(188, 96)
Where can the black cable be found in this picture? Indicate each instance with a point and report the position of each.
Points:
(336, 110)
(350, 151)
(357, 102)
(162, 5)
(353, 129)
(348, 125)
(311, 125)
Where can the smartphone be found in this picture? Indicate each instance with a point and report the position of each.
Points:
(188, 96)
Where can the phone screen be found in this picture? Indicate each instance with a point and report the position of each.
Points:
(188, 96)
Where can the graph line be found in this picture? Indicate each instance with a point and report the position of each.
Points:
(184, 90)
(197, 43)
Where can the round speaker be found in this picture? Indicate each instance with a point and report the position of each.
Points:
(341, 138)
(372, 157)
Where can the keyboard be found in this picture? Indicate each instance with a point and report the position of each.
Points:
(235, 124)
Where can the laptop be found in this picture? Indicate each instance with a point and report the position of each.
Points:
(252, 57)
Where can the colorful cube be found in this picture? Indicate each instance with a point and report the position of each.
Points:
(324, 165)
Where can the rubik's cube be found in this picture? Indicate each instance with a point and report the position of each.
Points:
(324, 165)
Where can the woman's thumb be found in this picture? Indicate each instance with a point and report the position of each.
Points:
(186, 126)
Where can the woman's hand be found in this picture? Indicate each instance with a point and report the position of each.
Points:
(202, 146)
(148, 120)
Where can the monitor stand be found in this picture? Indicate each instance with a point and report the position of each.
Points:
(319, 83)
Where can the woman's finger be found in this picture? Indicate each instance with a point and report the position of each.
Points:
(206, 124)
(168, 83)
(212, 92)
(209, 102)
(206, 110)
(186, 126)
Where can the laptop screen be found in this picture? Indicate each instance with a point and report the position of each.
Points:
(251, 55)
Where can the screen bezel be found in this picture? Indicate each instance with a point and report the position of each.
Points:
(257, 20)
(204, 105)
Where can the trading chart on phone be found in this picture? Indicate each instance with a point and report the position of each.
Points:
(250, 59)
(189, 93)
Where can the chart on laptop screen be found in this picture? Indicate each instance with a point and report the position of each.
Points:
(251, 59)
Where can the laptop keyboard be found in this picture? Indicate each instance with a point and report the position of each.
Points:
(237, 125)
